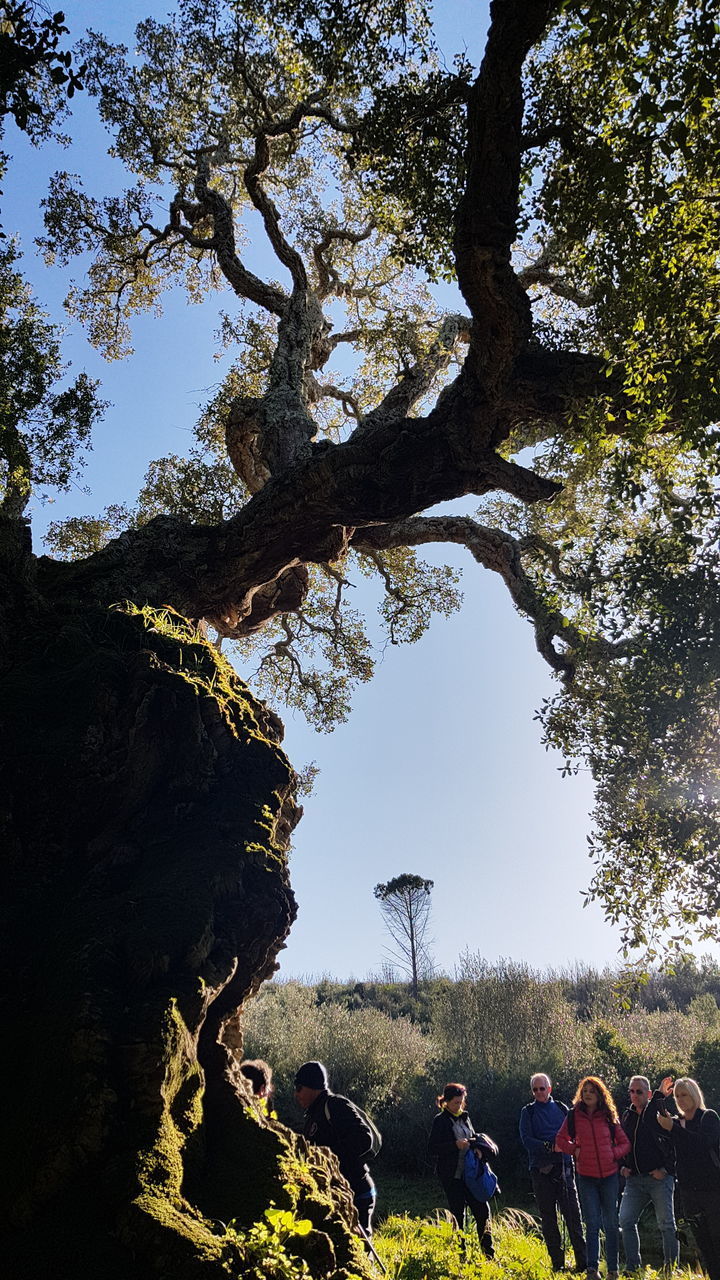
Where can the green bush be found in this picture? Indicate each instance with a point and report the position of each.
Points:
(375, 1059)
(504, 1018)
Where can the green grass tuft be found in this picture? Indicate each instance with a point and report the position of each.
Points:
(430, 1249)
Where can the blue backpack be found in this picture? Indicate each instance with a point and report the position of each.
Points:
(478, 1177)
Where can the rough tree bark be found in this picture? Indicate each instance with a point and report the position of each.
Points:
(146, 810)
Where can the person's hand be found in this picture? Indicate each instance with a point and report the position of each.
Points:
(666, 1086)
(462, 1144)
(665, 1122)
(625, 1171)
(658, 1174)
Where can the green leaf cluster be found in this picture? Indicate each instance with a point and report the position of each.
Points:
(623, 195)
(44, 427)
(35, 73)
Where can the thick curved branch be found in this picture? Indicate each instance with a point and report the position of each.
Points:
(289, 257)
(284, 594)
(486, 224)
(308, 109)
(328, 279)
(541, 272)
(244, 282)
(548, 385)
(320, 390)
(304, 514)
(498, 551)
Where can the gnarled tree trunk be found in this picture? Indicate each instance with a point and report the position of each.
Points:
(146, 811)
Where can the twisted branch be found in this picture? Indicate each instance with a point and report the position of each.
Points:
(498, 551)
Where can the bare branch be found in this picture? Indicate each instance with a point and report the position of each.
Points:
(328, 280)
(541, 272)
(347, 335)
(417, 381)
(308, 109)
(498, 551)
(289, 257)
(318, 390)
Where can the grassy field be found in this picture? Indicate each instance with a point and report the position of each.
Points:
(427, 1248)
(410, 1220)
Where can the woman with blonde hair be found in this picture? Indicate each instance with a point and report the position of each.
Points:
(592, 1134)
(696, 1139)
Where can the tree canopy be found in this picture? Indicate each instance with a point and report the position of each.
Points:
(569, 186)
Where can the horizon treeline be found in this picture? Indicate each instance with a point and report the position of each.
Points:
(490, 1027)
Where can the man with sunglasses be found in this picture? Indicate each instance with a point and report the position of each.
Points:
(553, 1178)
(648, 1171)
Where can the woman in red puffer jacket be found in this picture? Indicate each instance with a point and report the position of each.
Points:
(591, 1133)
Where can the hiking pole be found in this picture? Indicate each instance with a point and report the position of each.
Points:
(369, 1244)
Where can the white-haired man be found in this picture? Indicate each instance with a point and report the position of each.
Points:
(552, 1174)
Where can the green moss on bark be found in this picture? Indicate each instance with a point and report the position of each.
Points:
(146, 811)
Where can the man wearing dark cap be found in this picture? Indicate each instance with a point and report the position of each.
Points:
(335, 1122)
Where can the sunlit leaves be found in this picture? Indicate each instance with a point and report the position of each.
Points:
(419, 182)
(44, 427)
(626, 191)
(206, 83)
(648, 729)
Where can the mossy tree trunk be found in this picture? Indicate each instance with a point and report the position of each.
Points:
(146, 811)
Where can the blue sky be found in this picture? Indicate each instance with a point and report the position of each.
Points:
(440, 770)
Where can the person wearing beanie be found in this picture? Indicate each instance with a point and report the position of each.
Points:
(312, 1075)
(335, 1122)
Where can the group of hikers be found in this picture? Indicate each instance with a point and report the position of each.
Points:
(590, 1168)
(664, 1141)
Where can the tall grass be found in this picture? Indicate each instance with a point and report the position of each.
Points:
(429, 1249)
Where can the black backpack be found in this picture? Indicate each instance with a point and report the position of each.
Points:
(369, 1124)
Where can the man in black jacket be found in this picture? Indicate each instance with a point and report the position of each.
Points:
(335, 1122)
(649, 1171)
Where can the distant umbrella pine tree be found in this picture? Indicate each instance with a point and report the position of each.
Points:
(405, 907)
(569, 187)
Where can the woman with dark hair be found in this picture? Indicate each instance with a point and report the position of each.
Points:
(592, 1134)
(259, 1073)
(451, 1136)
(696, 1139)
